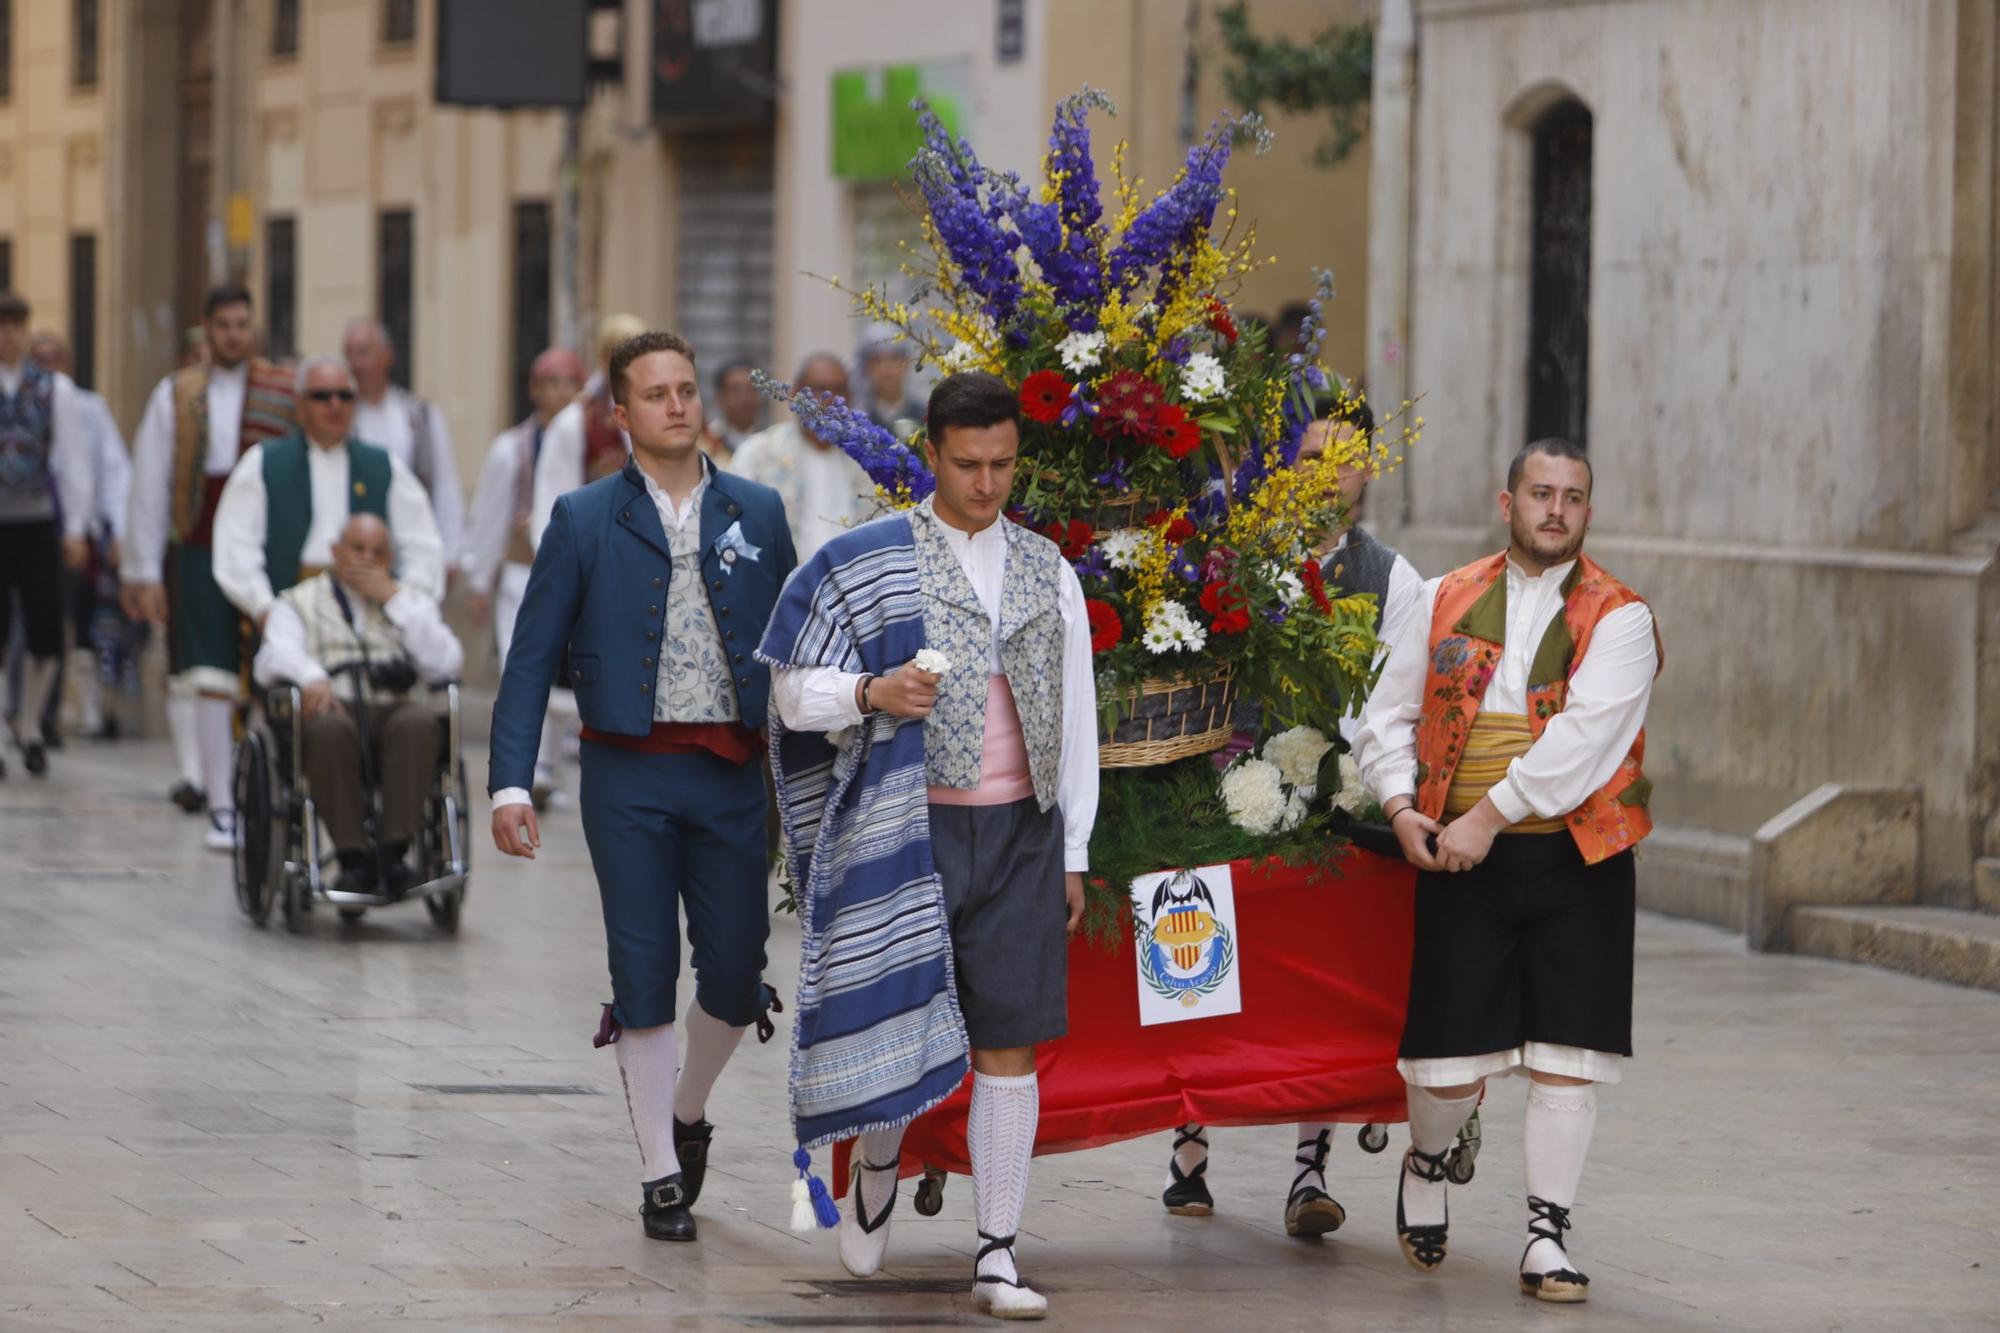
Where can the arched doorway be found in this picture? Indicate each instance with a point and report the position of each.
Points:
(1559, 275)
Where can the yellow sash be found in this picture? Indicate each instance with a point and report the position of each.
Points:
(1495, 741)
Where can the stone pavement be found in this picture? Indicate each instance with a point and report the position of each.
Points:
(208, 1126)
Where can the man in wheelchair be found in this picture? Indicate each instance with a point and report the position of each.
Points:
(356, 645)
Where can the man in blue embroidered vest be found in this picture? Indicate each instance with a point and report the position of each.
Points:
(44, 447)
(658, 580)
(1007, 749)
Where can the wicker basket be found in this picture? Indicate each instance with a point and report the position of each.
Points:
(1109, 516)
(1169, 720)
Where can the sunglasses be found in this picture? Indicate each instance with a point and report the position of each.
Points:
(330, 395)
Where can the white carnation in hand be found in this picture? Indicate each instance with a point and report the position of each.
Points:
(1297, 754)
(1255, 798)
(931, 660)
(1081, 351)
(1202, 378)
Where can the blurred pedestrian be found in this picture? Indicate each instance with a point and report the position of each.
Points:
(885, 367)
(583, 442)
(198, 422)
(825, 492)
(497, 552)
(93, 589)
(412, 429)
(739, 412)
(44, 452)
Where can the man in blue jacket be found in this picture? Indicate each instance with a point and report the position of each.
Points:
(658, 581)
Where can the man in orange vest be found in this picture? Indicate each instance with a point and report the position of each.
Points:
(1505, 740)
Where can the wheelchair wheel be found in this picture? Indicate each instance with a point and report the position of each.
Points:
(445, 907)
(1373, 1138)
(255, 863)
(930, 1193)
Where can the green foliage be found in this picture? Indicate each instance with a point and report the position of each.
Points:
(1171, 816)
(1334, 73)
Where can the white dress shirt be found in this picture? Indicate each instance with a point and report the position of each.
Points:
(1405, 596)
(111, 465)
(240, 527)
(490, 521)
(822, 698)
(433, 649)
(70, 447)
(1580, 748)
(387, 424)
(149, 510)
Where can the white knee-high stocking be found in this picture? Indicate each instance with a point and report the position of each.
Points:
(1434, 1125)
(1000, 1137)
(646, 1062)
(710, 1043)
(181, 727)
(212, 726)
(1555, 1140)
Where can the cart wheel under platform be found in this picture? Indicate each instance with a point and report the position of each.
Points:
(930, 1192)
(1459, 1167)
(1373, 1138)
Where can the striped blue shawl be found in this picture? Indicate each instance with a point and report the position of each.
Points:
(878, 1038)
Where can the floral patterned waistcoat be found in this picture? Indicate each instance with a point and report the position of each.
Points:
(1468, 632)
(1031, 654)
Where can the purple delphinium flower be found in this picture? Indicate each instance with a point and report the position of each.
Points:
(1092, 564)
(1177, 351)
(889, 462)
(1184, 212)
(1185, 567)
(1064, 236)
(1113, 478)
(1209, 507)
(969, 207)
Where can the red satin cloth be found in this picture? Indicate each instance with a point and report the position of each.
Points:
(1325, 969)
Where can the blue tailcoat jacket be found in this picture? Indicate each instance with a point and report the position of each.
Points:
(599, 588)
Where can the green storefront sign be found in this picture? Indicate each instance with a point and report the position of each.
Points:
(875, 132)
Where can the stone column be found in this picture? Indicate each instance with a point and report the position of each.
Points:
(1391, 165)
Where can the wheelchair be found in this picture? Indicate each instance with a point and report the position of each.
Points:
(279, 857)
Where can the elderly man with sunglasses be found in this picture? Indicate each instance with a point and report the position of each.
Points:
(288, 500)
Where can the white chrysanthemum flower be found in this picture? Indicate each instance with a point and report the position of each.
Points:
(1254, 797)
(1291, 588)
(1297, 754)
(962, 356)
(1170, 629)
(931, 660)
(1121, 548)
(1081, 351)
(1202, 378)
(1352, 796)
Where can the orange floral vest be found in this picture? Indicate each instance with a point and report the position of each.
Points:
(1468, 632)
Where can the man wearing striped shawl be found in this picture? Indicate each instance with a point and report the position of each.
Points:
(938, 822)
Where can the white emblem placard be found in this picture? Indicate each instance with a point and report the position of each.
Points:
(1187, 947)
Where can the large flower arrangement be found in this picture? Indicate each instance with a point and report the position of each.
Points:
(1160, 440)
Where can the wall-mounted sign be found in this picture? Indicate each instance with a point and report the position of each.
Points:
(713, 61)
(874, 131)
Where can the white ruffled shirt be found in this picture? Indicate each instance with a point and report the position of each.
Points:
(148, 511)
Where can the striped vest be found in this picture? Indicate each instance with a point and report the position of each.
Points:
(27, 430)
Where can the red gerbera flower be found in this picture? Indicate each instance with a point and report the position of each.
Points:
(1173, 432)
(1127, 403)
(1073, 537)
(1309, 574)
(1228, 607)
(1044, 395)
(1177, 529)
(1219, 320)
(1106, 627)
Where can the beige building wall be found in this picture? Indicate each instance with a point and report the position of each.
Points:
(1790, 372)
(54, 138)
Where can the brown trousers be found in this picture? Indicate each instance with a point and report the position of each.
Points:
(405, 737)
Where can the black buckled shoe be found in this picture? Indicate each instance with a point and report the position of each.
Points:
(1188, 1195)
(1563, 1286)
(665, 1209)
(1311, 1211)
(188, 797)
(1423, 1246)
(691, 1147)
(35, 758)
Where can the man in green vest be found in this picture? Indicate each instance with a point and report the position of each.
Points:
(288, 499)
